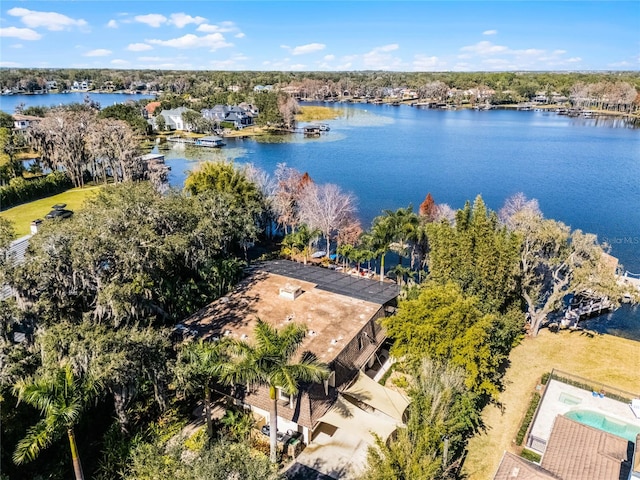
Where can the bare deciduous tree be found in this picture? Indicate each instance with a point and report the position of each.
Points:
(326, 208)
(516, 204)
(290, 185)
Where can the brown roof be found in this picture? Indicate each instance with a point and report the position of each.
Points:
(332, 320)
(29, 118)
(151, 107)
(579, 452)
(513, 467)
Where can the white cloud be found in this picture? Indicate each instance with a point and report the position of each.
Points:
(239, 35)
(484, 48)
(139, 47)
(17, 45)
(154, 20)
(181, 20)
(49, 20)
(213, 41)
(380, 59)
(222, 27)
(21, 33)
(490, 56)
(9, 64)
(424, 63)
(119, 61)
(112, 24)
(329, 58)
(233, 63)
(308, 48)
(99, 52)
(388, 48)
(490, 32)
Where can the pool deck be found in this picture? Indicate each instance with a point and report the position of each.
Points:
(560, 398)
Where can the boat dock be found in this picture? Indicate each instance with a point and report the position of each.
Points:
(586, 308)
(632, 281)
(314, 130)
(210, 141)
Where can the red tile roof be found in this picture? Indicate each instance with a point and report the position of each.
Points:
(513, 467)
(578, 452)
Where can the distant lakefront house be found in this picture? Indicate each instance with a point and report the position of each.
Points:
(341, 314)
(172, 119)
(149, 109)
(240, 115)
(22, 122)
(262, 88)
(79, 86)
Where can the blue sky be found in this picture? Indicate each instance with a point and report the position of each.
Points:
(311, 35)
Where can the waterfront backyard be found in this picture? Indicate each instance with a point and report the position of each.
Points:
(602, 358)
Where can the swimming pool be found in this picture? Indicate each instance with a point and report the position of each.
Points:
(608, 424)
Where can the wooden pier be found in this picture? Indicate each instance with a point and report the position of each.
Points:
(586, 308)
(210, 141)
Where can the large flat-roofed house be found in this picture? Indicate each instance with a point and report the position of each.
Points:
(340, 312)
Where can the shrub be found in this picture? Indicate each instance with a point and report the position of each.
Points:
(545, 378)
(535, 400)
(20, 190)
(530, 455)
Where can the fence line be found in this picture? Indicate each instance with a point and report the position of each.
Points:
(593, 386)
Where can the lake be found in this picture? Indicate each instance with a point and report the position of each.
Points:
(584, 172)
(8, 103)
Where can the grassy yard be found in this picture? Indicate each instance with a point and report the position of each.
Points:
(314, 114)
(604, 358)
(24, 214)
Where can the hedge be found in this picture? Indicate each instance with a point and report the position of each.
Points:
(21, 190)
(531, 456)
(535, 399)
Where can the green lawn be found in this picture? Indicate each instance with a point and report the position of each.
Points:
(24, 214)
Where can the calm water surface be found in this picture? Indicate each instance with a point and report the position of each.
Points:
(8, 103)
(584, 172)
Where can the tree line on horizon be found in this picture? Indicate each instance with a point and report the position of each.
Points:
(508, 86)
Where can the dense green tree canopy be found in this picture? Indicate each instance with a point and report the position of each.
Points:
(442, 324)
(130, 113)
(222, 460)
(477, 253)
(132, 256)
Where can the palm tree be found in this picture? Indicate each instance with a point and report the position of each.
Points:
(269, 363)
(197, 365)
(380, 237)
(61, 397)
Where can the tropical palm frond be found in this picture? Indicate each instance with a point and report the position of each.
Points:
(38, 437)
(290, 339)
(266, 336)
